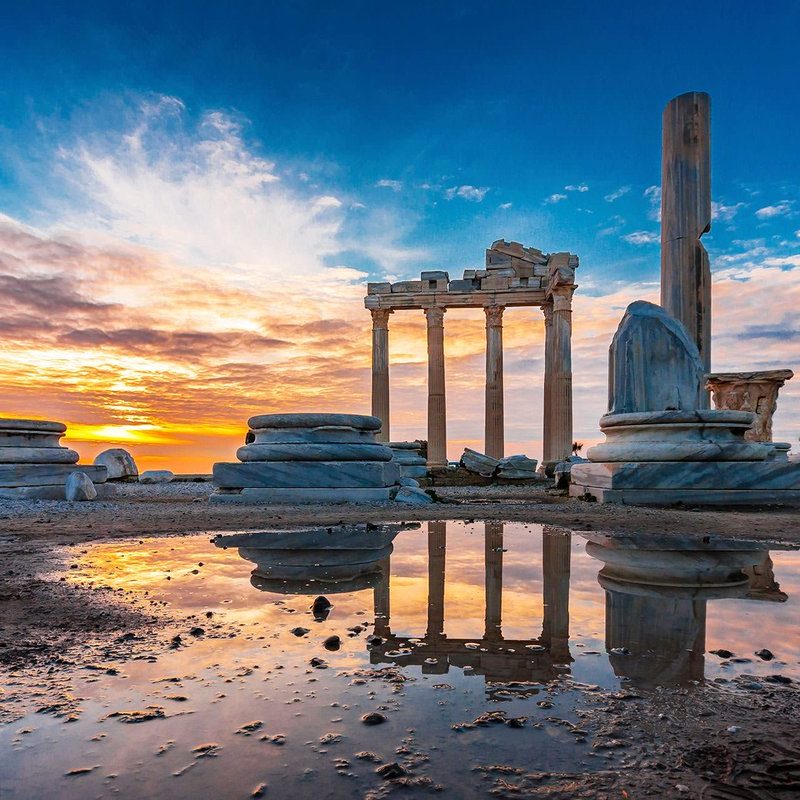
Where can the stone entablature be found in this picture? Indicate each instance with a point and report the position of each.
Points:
(513, 276)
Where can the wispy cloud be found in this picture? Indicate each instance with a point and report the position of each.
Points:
(615, 195)
(653, 195)
(781, 209)
(474, 194)
(580, 187)
(388, 183)
(725, 213)
(641, 237)
(506, 206)
(555, 198)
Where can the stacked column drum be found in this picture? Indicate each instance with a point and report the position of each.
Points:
(34, 465)
(309, 458)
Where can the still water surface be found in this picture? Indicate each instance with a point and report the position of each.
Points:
(471, 617)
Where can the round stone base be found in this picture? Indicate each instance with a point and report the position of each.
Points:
(703, 435)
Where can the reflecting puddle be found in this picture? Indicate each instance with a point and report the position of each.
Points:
(438, 625)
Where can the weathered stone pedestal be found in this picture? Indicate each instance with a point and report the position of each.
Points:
(408, 456)
(662, 447)
(33, 465)
(309, 458)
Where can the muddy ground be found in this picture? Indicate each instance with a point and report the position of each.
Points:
(716, 742)
(183, 508)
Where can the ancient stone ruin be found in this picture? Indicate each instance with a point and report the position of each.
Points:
(513, 276)
(662, 447)
(309, 458)
(751, 391)
(34, 465)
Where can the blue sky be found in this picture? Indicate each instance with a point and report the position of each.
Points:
(404, 136)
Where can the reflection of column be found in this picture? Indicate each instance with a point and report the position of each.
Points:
(555, 589)
(381, 599)
(437, 540)
(494, 443)
(558, 376)
(437, 411)
(665, 637)
(380, 369)
(493, 565)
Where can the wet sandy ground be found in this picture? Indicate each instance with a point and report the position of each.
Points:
(65, 635)
(183, 508)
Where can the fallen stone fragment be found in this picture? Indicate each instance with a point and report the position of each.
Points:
(321, 607)
(118, 462)
(298, 631)
(373, 718)
(81, 771)
(764, 654)
(259, 791)
(249, 727)
(156, 476)
(79, 487)
(390, 771)
(207, 750)
(721, 653)
(131, 716)
(318, 663)
(412, 496)
(332, 643)
(367, 755)
(480, 463)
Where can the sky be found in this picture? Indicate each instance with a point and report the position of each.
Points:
(194, 195)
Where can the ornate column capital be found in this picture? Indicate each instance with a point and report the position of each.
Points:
(435, 316)
(562, 298)
(494, 316)
(380, 318)
(547, 310)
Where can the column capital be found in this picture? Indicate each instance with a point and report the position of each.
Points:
(562, 298)
(380, 318)
(494, 316)
(547, 310)
(435, 315)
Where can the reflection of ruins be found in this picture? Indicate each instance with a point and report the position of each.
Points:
(657, 600)
(514, 276)
(491, 655)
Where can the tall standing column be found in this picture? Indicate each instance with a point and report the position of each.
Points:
(686, 216)
(380, 370)
(547, 401)
(558, 377)
(494, 443)
(437, 409)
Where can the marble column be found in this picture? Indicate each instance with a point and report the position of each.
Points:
(557, 444)
(547, 310)
(437, 410)
(556, 554)
(686, 216)
(380, 369)
(493, 565)
(494, 443)
(437, 541)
